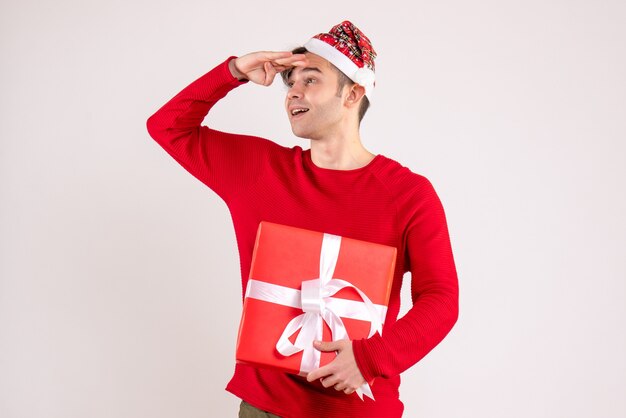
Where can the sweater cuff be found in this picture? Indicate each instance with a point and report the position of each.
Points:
(228, 75)
(366, 352)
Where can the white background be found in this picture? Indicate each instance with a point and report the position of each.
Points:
(119, 276)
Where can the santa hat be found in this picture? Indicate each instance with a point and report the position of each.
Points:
(348, 49)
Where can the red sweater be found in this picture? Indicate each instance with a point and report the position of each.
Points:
(381, 202)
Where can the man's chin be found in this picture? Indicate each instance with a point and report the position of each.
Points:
(300, 133)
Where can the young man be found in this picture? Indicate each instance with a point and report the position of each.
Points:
(338, 187)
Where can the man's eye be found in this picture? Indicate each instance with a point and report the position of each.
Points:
(310, 80)
(290, 84)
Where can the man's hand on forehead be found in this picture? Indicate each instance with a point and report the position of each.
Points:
(261, 67)
(282, 62)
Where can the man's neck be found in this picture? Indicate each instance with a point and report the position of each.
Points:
(340, 152)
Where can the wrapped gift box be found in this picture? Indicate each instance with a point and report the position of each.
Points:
(284, 257)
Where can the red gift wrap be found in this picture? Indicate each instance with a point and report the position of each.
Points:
(307, 285)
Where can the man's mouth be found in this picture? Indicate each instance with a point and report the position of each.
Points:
(298, 111)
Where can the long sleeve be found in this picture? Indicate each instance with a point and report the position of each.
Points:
(381, 203)
(225, 162)
(434, 291)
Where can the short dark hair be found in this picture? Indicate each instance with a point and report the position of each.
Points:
(342, 81)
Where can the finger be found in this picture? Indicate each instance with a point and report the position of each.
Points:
(270, 73)
(348, 391)
(283, 67)
(340, 386)
(326, 345)
(329, 381)
(316, 374)
(280, 68)
(292, 64)
(299, 64)
(291, 59)
(274, 55)
(320, 373)
(287, 66)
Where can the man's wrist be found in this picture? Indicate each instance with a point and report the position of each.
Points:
(234, 71)
(361, 360)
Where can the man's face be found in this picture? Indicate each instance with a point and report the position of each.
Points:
(312, 104)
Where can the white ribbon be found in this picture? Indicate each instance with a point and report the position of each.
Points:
(316, 301)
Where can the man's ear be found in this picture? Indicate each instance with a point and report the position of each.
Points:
(355, 95)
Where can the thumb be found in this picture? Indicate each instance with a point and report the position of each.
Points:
(270, 73)
(327, 345)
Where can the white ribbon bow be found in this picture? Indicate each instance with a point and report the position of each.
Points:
(316, 301)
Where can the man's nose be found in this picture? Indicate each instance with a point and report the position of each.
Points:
(294, 92)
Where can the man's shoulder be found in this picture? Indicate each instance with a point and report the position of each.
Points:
(409, 191)
(399, 177)
(254, 143)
